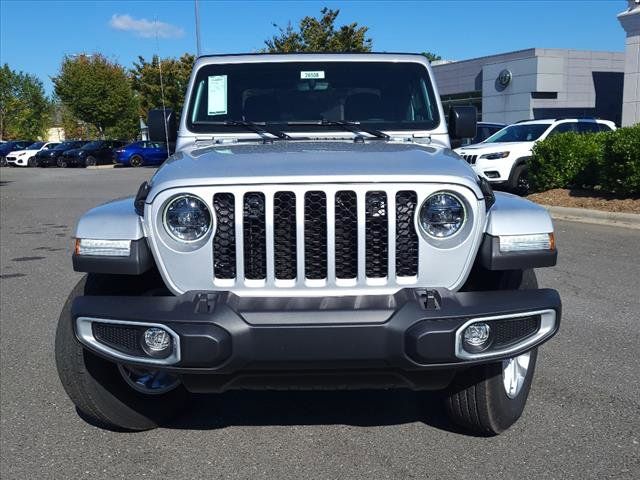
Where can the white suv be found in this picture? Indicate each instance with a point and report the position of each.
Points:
(26, 157)
(502, 158)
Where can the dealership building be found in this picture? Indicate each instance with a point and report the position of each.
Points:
(536, 83)
(550, 83)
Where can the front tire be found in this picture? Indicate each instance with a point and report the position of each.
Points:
(519, 181)
(32, 162)
(96, 386)
(136, 161)
(62, 163)
(90, 161)
(488, 399)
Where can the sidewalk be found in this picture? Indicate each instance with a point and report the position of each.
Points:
(584, 215)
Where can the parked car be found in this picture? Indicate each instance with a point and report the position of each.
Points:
(98, 152)
(49, 157)
(293, 251)
(10, 146)
(484, 131)
(502, 158)
(141, 153)
(26, 157)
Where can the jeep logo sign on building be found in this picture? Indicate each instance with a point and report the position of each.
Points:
(504, 78)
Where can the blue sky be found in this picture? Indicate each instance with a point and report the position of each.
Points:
(34, 35)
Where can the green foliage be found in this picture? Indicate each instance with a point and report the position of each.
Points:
(320, 35)
(145, 80)
(25, 110)
(98, 91)
(621, 161)
(432, 57)
(609, 161)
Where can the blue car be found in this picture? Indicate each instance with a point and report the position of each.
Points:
(137, 154)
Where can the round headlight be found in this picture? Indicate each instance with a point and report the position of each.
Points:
(442, 215)
(187, 218)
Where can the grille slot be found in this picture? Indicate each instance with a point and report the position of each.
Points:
(315, 235)
(346, 228)
(255, 238)
(406, 236)
(224, 241)
(284, 232)
(471, 159)
(377, 234)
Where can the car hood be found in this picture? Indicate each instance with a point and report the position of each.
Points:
(493, 147)
(313, 162)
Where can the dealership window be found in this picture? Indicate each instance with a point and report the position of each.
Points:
(545, 95)
(461, 99)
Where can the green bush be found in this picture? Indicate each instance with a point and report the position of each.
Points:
(609, 161)
(620, 166)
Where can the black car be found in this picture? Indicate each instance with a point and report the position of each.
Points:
(11, 146)
(49, 158)
(98, 152)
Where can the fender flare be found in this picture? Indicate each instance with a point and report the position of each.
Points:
(116, 220)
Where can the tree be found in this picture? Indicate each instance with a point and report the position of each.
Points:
(98, 91)
(25, 110)
(145, 80)
(320, 35)
(432, 57)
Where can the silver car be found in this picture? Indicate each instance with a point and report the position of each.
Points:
(312, 230)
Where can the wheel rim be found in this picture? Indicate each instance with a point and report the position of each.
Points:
(523, 182)
(149, 382)
(514, 374)
(135, 161)
(91, 162)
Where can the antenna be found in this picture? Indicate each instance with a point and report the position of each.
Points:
(198, 47)
(164, 108)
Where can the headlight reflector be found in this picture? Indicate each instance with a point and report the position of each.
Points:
(442, 215)
(187, 218)
(495, 156)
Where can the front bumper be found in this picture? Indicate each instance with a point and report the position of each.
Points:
(384, 340)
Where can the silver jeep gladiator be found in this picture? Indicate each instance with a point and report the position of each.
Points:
(312, 230)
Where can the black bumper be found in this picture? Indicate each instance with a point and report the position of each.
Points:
(237, 339)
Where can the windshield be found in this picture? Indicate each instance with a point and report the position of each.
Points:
(92, 145)
(379, 95)
(518, 133)
(35, 146)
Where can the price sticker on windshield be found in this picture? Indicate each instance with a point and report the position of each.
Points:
(317, 75)
(217, 103)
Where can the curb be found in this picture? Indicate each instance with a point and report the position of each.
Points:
(599, 217)
(101, 167)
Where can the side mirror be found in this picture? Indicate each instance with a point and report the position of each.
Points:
(157, 120)
(462, 122)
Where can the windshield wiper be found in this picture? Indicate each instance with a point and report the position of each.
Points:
(349, 126)
(267, 135)
(259, 130)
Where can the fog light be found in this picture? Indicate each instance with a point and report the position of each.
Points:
(156, 342)
(476, 337)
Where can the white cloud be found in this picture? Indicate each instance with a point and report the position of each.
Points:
(145, 28)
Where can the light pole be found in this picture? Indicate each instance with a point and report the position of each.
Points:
(198, 47)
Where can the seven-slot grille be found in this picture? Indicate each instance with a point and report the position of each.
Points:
(337, 236)
(471, 159)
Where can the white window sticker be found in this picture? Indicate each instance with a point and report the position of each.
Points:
(217, 104)
(312, 75)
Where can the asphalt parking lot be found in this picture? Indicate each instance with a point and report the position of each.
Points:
(582, 419)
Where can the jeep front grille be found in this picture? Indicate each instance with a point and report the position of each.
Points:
(471, 159)
(341, 237)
